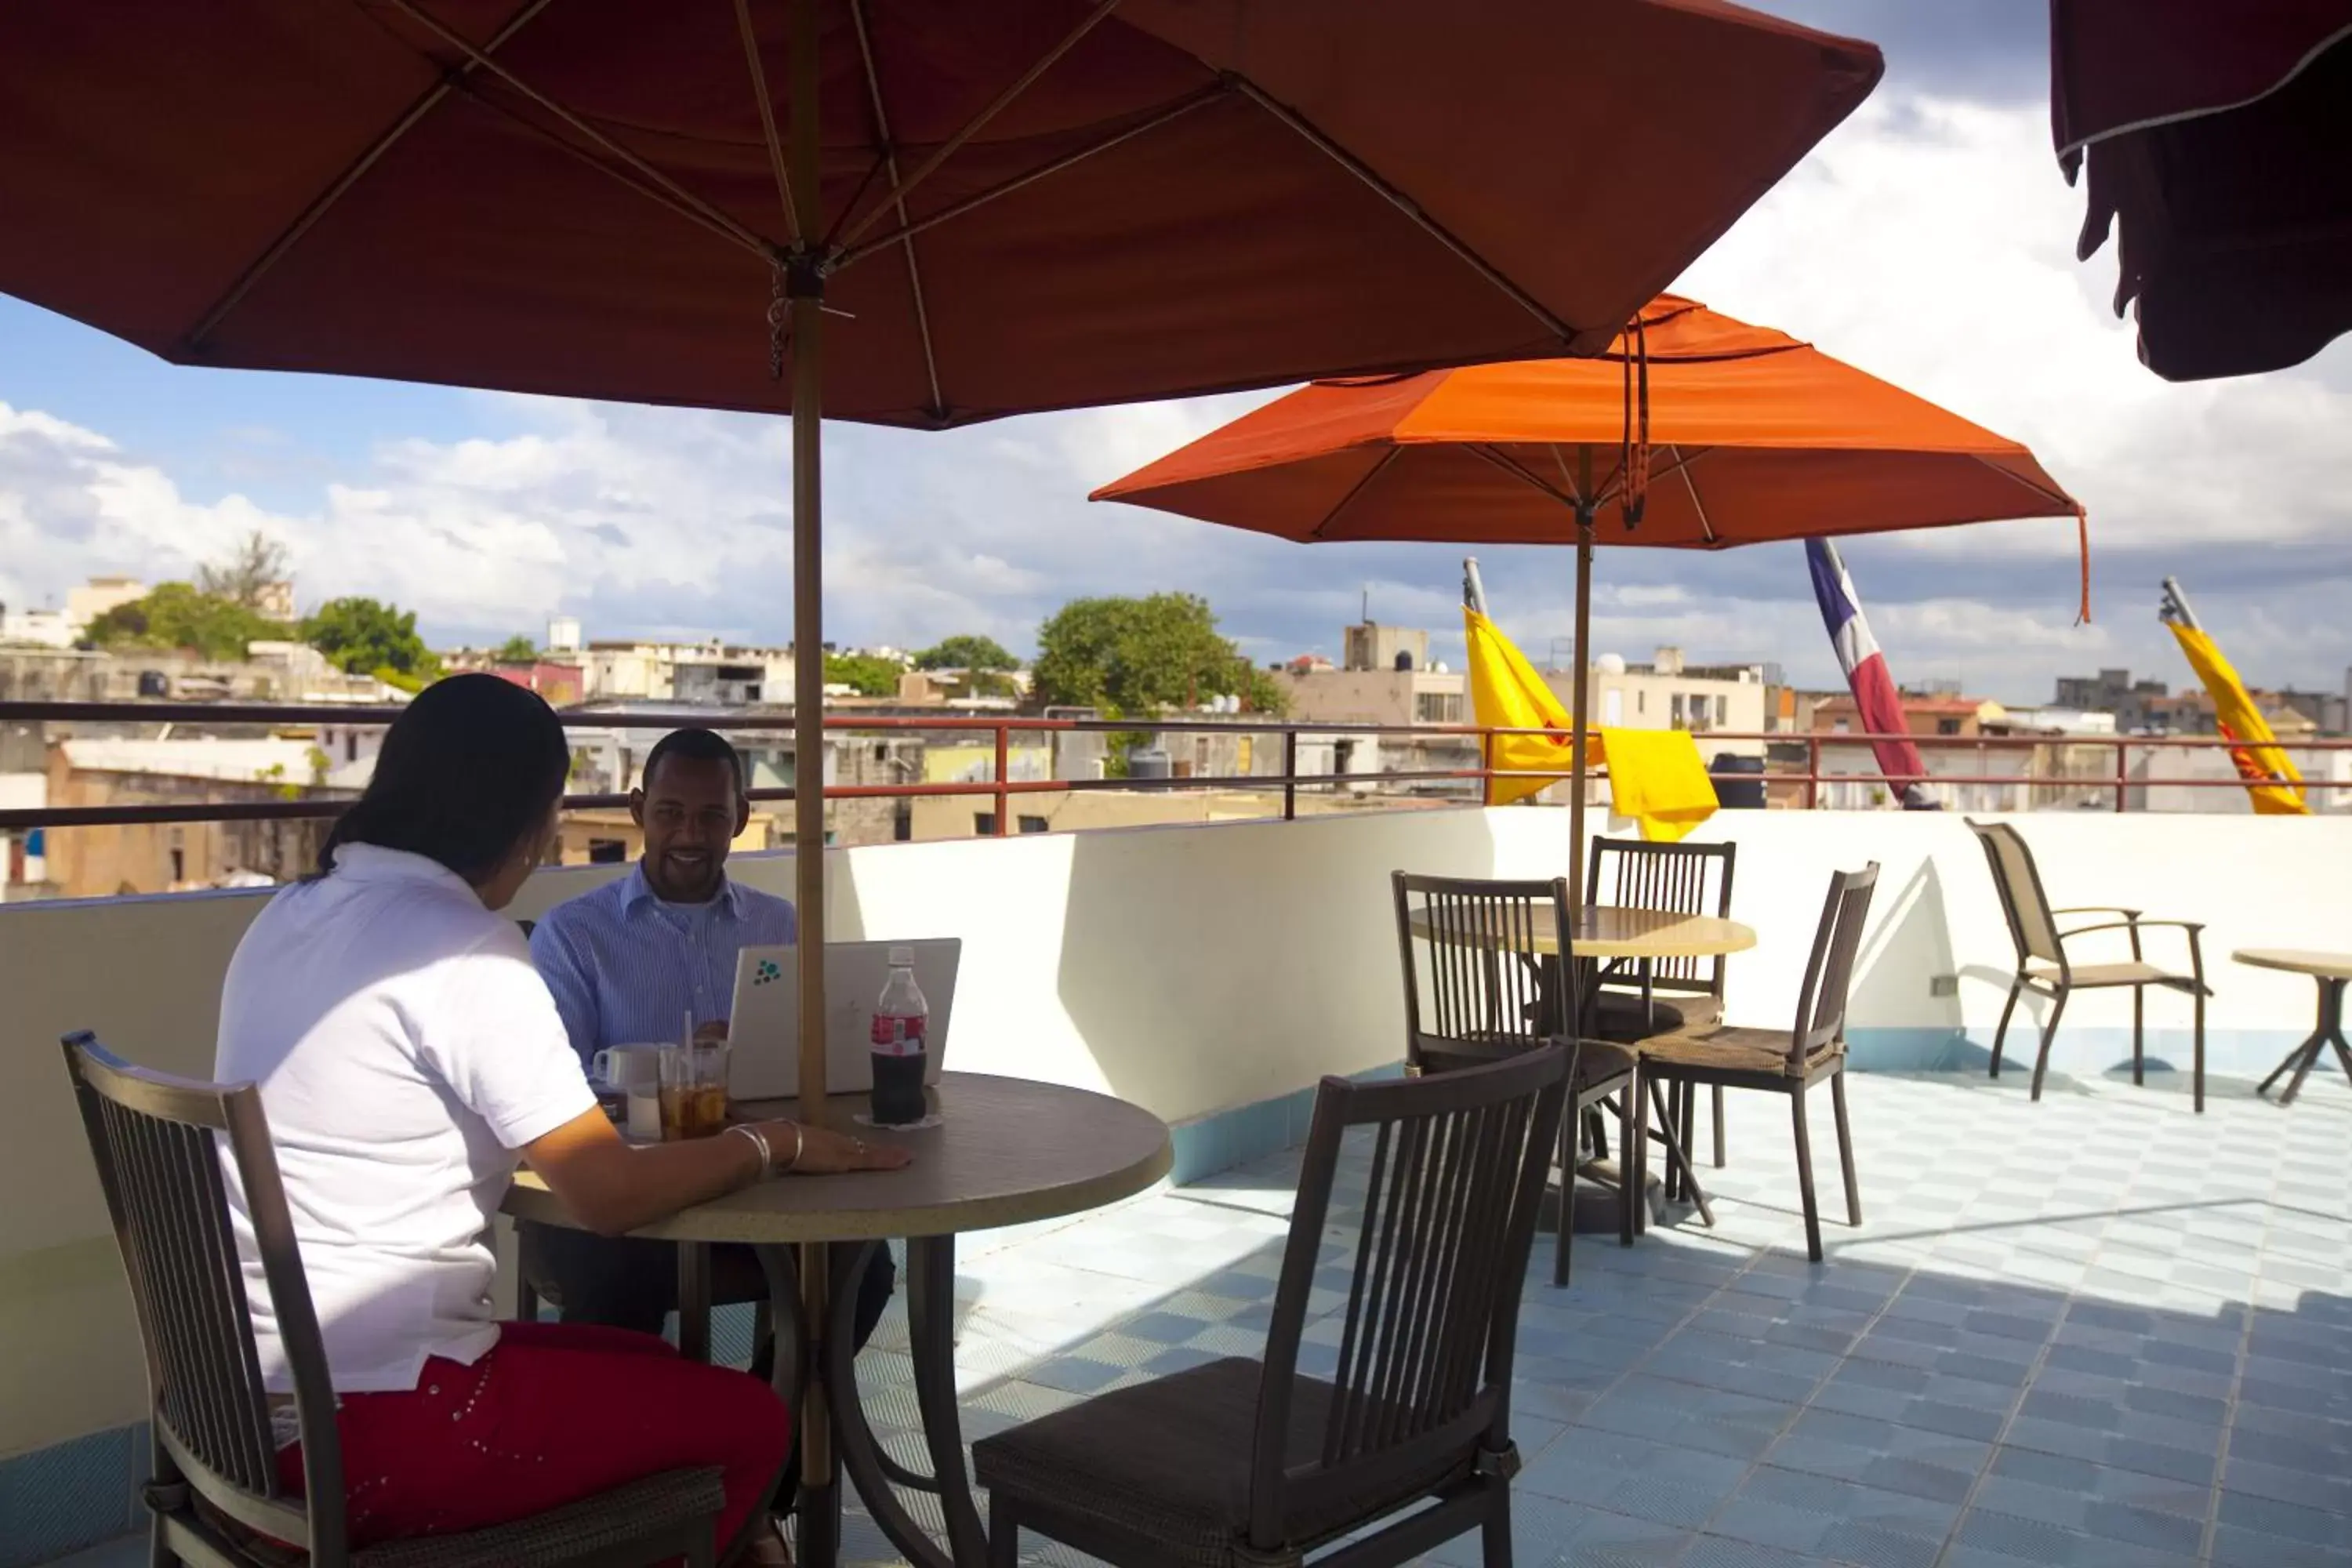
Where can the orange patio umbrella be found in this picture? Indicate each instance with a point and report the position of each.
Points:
(1697, 431)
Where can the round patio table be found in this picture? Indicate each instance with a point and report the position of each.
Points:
(2334, 972)
(1612, 935)
(1005, 1152)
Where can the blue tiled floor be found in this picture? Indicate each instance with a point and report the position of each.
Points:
(2094, 1332)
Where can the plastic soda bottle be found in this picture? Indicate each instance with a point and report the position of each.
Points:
(901, 1027)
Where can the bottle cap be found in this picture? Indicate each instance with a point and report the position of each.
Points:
(902, 957)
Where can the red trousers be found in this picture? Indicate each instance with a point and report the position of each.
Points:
(554, 1412)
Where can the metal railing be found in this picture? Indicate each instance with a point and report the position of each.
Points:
(1003, 790)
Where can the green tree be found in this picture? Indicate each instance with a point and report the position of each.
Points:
(967, 652)
(518, 649)
(1137, 656)
(366, 637)
(863, 673)
(177, 615)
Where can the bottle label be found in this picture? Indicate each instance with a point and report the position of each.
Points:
(897, 1037)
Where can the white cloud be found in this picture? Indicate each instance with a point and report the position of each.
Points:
(1929, 242)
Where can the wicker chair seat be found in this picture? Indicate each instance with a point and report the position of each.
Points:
(1169, 1462)
(1731, 1050)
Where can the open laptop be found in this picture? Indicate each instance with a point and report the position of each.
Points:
(765, 1025)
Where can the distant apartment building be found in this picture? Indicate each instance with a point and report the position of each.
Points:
(1670, 693)
(168, 857)
(49, 626)
(1948, 717)
(563, 684)
(714, 673)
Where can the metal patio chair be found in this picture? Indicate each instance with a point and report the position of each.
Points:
(1480, 987)
(1684, 993)
(1789, 1061)
(1243, 1464)
(215, 1495)
(2044, 968)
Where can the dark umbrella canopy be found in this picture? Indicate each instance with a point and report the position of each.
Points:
(2219, 142)
(991, 206)
(585, 197)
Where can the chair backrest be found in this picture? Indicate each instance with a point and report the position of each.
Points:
(1829, 973)
(1688, 878)
(1457, 1169)
(2030, 925)
(158, 1141)
(1479, 984)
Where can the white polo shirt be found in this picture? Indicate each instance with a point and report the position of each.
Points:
(406, 1048)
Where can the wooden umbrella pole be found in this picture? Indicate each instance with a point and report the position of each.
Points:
(820, 1496)
(806, 288)
(1578, 700)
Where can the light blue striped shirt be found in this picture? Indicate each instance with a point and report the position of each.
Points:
(626, 968)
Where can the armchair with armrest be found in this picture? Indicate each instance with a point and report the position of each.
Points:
(2044, 968)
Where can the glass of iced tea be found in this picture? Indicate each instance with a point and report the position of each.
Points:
(693, 1090)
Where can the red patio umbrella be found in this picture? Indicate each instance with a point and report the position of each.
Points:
(1731, 434)
(2218, 138)
(999, 206)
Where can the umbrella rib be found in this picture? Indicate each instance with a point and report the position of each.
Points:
(292, 234)
(1519, 471)
(1356, 489)
(683, 200)
(898, 200)
(793, 227)
(2042, 490)
(1683, 468)
(1571, 492)
(1409, 207)
(1176, 110)
(978, 122)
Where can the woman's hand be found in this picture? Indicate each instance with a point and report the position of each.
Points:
(827, 1154)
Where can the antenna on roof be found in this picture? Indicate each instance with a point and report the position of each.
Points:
(1367, 617)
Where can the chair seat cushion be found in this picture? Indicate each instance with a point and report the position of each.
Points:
(2093, 975)
(1170, 1461)
(1728, 1048)
(1619, 1015)
(646, 1513)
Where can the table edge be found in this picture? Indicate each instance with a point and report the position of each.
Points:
(531, 1201)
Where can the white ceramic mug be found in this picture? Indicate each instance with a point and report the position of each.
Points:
(622, 1069)
(634, 1073)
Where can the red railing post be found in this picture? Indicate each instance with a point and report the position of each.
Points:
(1003, 765)
(2122, 771)
(1812, 772)
(1290, 774)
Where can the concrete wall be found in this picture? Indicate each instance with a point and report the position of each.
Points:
(1191, 970)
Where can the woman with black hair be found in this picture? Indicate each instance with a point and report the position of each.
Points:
(409, 1056)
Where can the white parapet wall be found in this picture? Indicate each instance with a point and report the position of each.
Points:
(1193, 971)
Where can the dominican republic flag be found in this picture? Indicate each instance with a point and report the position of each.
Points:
(1880, 708)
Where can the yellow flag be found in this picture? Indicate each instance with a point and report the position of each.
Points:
(2270, 775)
(1508, 694)
(1655, 777)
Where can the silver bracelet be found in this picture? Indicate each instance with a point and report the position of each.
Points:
(759, 1142)
(800, 1142)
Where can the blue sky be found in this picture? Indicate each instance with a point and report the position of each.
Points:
(1928, 241)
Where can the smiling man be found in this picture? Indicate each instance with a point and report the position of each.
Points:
(628, 963)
